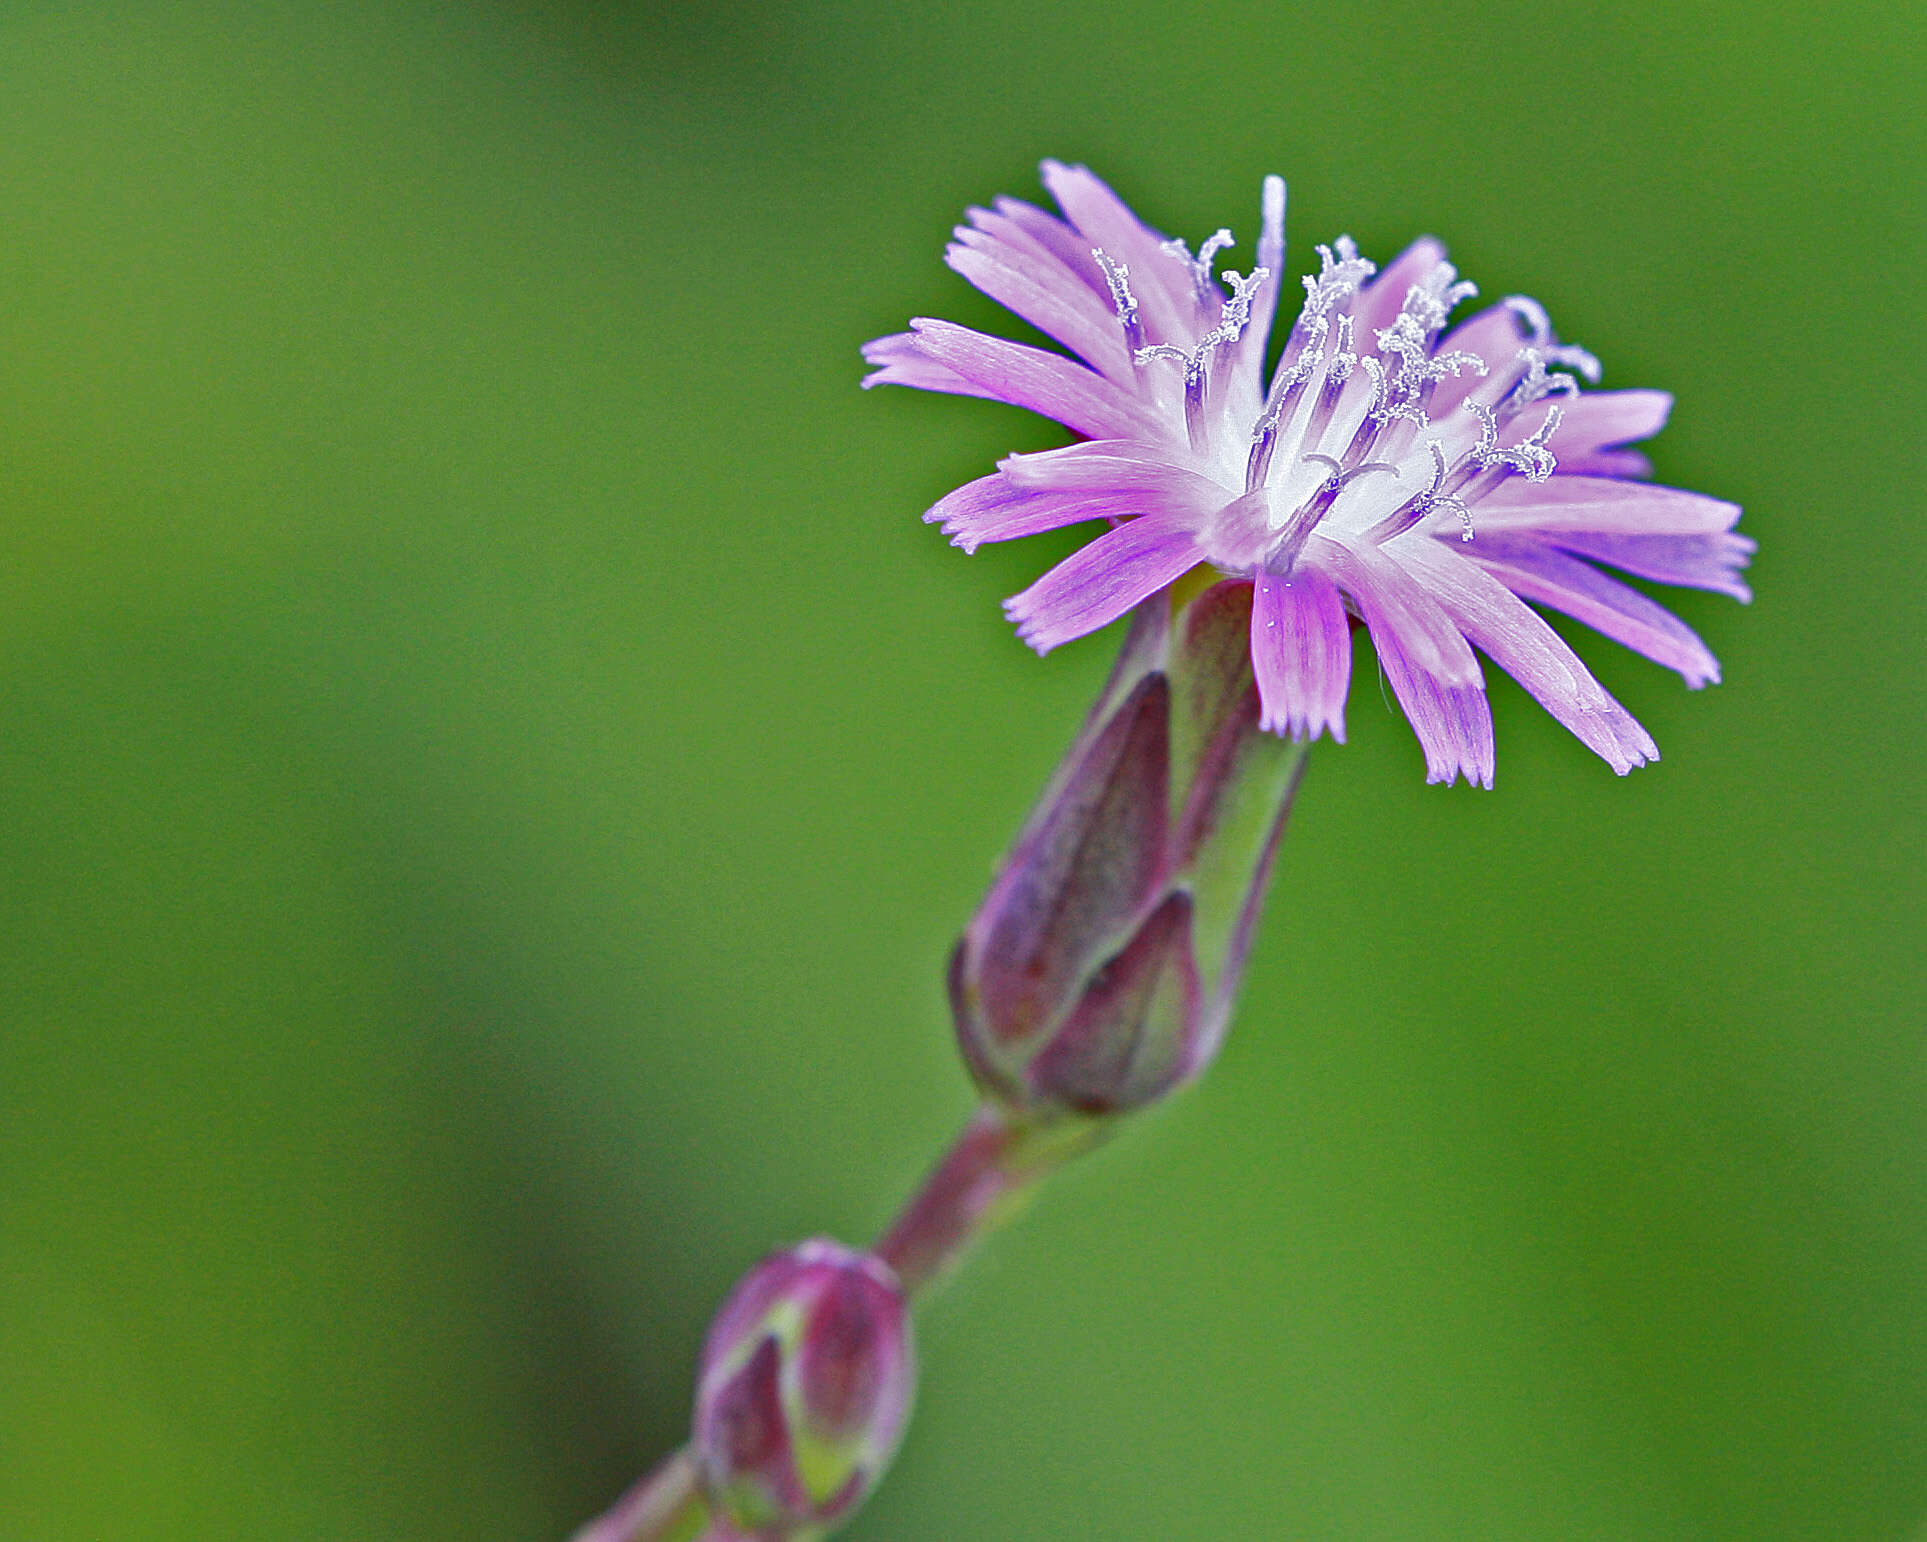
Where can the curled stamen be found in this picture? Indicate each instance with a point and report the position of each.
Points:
(1340, 273)
(1344, 357)
(1488, 432)
(1574, 357)
(1152, 351)
(1237, 310)
(1118, 276)
(1200, 266)
(1536, 384)
(1387, 403)
(1529, 457)
(1338, 279)
(1454, 364)
(1428, 302)
(1231, 323)
(1409, 341)
(1404, 339)
(1418, 366)
(1381, 387)
(1344, 479)
(1434, 499)
(1535, 326)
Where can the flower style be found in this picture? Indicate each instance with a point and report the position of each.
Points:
(1427, 485)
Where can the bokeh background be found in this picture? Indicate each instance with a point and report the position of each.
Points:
(490, 766)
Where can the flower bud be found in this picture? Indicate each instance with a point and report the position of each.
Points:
(1100, 971)
(806, 1382)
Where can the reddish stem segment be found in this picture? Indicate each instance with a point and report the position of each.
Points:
(981, 1181)
(662, 1506)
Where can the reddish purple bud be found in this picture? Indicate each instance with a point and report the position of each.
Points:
(806, 1383)
(1133, 1034)
(1100, 972)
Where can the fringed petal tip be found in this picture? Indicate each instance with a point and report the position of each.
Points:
(898, 360)
(942, 356)
(1301, 655)
(1454, 727)
(998, 508)
(1642, 753)
(1098, 583)
(1303, 728)
(1029, 629)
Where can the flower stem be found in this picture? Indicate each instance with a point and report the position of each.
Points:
(982, 1181)
(664, 1506)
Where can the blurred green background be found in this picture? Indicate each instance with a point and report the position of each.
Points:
(490, 766)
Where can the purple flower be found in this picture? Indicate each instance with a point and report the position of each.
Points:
(1426, 484)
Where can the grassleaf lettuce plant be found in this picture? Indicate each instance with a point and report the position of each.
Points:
(1426, 482)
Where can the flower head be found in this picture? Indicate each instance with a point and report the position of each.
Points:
(1425, 482)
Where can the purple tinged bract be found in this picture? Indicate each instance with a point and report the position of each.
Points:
(1426, 482)
(807, 1377)
(1100, 971)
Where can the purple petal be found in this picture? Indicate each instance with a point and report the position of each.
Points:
(1118, 464)
(1379, 302)
(994, 508)
(1518, 640)
(1549, 577)
(1492, 334)
(900, 359)
(1097, 583)
(994, 367)
(1607, 463)
(1160, 282)
(1044, 239)
(1565, 504)
(1049, 301)
(1424, 655)
(1301, 652)
(1249, 350)
(1593, 429)
(1691, 561)
(1049, 232)
(1601, 420)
